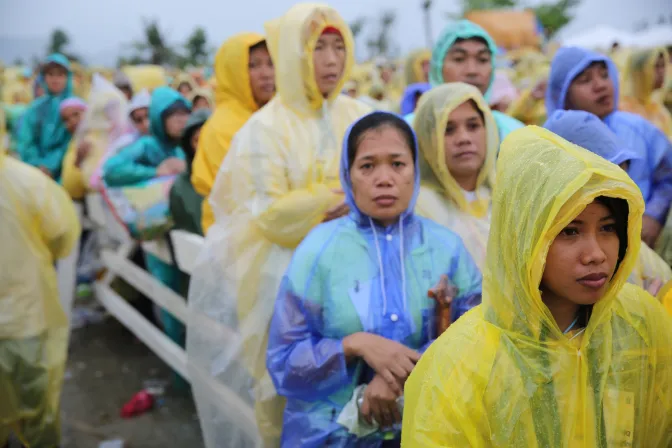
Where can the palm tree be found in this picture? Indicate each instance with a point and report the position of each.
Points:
(427, 19)
(155, 43)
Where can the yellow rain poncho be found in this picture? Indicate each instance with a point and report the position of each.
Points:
(505, 375)
(274, 186)
(145, 77)
(639, 96)
(104, 122)
(441, 197)
(38, 225)
(184, 78)
(234, 106)
(414, 71)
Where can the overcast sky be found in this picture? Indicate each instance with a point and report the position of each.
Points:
(101, 27)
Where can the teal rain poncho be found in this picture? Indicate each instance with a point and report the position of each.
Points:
(352, 275)
(138, 161)
(464, 29)
(43, 138)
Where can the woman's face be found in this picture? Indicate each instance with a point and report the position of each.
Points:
(592, 91)
(185, 89)
(200, 103)
(262, 75)
(465, 142)
(329, 62)
(582, 259)
(56, 77)
(383, 174)
(175, 123)
(71, 117)
(140, 118)
(469, 61)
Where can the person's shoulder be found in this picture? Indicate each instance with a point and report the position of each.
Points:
(436, 234)
(643, 311)
(356, 107)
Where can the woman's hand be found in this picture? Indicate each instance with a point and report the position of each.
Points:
(391, 360)
(380, 404)
(170, 167)
(83, 150)
(336, 212)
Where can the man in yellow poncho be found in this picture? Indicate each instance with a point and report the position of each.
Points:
(279, 180)
(561, 353)
(38, 225)
(648, 69)
(245, 82)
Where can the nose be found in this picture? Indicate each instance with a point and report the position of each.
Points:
(592, 252)
(471, 68)
(600, 84)
(330, 57)
(384, 177)
(462, 136)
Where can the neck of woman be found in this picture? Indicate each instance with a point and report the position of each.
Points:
(467, 183)
(564, 312)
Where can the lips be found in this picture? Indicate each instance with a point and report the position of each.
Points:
(604, 100)
(465, 155)
(330, 78)
(385, 200)
(594, 281)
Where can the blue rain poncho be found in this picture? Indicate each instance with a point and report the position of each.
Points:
(408, 99)
(138, 161)
(652, 170)
(43, 138)
(464, 29)
(352, 275)
(588, 131)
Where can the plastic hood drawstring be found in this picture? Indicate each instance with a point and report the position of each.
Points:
(382, 269)
(328, 140)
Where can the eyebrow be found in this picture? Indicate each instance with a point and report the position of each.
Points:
(396, 154)
(606, 218)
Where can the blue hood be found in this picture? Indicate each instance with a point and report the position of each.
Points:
(162, 99)
(408, 99)
(355, 212)
(59, 59)
(462, 29)
(567, 64)
(588, 131)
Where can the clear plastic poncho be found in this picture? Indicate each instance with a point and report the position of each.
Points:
(505, 375)
(441, 197)
(352, 275)
(273, 187)
(38, 225)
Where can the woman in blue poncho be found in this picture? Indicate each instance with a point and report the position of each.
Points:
(581, 79)
(353, 313)
(43, 138)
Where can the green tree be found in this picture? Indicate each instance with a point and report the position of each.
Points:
(427, 21)
(58, 41)
(18, 62)
(196, 47)
(554, 16)
(155, 44)
(381, 44)
(471, 5)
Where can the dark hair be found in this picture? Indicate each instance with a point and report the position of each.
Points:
(177, 106)
(619, 211)
(261, 44)
(378, 120)
(476, 38)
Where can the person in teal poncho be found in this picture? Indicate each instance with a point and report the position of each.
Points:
(465, 52)
(155, 155)
(42, 138)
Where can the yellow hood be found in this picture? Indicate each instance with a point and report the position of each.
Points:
(550, 180)
(291, 40)
(202, 92)
(430, 126)
(232, 77)
(413, 68)
(144, 76)
(641, 71)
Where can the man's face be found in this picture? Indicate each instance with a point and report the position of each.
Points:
(592, 91)
(71, 117)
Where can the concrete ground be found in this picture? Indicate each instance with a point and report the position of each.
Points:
(107, 366)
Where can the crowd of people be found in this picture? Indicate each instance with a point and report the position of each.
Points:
(467, 249)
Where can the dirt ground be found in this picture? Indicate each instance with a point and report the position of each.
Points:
(107, 366)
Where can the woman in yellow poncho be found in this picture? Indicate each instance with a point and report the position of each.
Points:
(38, 225)
(245, 82)
(416, 68)
(562, 353)
(647, 73)
(279, 180)
(458, 142)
